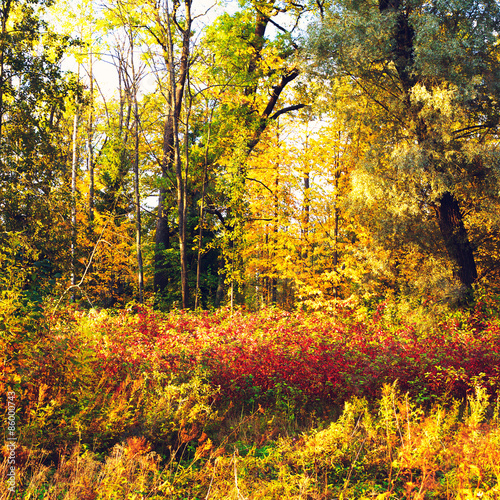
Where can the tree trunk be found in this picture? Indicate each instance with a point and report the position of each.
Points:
(90, 134)
(336, 216)
(219, 295)
(137, 196)
(201, 220)
(162, 234)
(456, 240)
(74, 161)
(172, 158)
(306, 209)
(449, 217)
(162, 242)
(176, 107)
(274, 280)
(74, 172)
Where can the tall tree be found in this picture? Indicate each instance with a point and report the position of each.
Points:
(171, 28)
(131, 73)
(432, 69)
(254, 67)
(33, 90)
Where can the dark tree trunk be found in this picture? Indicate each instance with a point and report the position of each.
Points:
(162, 242)
(403, 55)
(456, 240)
(162, 234)
(219, 295)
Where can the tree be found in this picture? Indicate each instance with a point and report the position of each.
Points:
(253, 69)
(432, 69)
(33, 166)
(242, 80)
(297, 235)
(167, 26)
(130, 75)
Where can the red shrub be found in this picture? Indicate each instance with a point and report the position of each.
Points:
(306, 357)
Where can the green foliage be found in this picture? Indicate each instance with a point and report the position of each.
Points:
(33, 92)
(25, 281)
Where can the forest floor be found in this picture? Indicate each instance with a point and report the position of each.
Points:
(349, 403)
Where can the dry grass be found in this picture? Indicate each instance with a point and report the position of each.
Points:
(395, 450)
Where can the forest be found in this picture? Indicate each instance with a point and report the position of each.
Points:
(249, 249)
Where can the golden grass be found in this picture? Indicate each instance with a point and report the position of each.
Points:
(395, 450)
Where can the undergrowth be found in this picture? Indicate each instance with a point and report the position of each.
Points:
(393, 450)
(137, 404)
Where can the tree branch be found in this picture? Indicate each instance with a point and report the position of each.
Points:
(295, 107)
(260, 182)
(265, 116)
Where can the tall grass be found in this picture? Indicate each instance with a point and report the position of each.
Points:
(391, 450)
